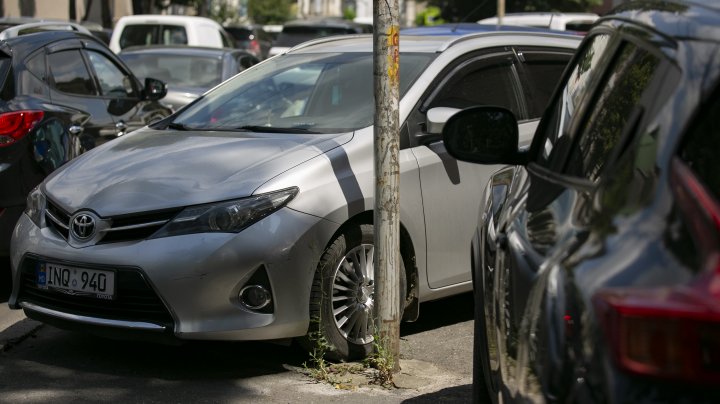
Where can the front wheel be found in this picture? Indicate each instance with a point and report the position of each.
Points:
(342, 303)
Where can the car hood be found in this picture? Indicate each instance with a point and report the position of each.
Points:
(178, 97)
(151, 169)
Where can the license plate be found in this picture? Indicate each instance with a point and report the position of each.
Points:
(76, 281)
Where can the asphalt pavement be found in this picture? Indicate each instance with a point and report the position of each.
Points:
(39, 363)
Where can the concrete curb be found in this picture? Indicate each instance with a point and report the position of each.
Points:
(14, 327)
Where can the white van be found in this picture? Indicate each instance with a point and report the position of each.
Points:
(139, 30)
(579, 22)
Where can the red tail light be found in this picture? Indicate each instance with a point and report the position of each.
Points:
(15, 125)
(673, 332)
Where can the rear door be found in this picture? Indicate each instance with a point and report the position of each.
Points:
(72, 85)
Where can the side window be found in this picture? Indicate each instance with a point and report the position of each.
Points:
(69, 73)
(615, 112)
(480, 82)
(542, 73)
(32, 80)
(553, 138)
(113, 82)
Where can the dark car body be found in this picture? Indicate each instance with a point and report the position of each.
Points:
(188, 71)
(61, 94)
(251, 38)
(596, 263)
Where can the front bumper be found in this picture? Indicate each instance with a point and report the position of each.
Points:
(196, 278)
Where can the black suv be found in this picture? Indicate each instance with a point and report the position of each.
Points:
(61, 93)
(596, 265)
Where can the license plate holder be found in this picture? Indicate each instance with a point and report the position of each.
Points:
(76, 281)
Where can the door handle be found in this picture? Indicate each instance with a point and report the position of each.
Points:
(75, 129)
(121, 128)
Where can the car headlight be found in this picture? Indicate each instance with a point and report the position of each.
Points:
(226, 217)
(35, 206)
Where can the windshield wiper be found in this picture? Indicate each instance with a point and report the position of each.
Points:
(272, 129)
(178, 126)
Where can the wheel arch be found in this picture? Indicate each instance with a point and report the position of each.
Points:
(407, 253)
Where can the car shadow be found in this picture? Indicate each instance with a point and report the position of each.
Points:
(5, 280)
(441, 313)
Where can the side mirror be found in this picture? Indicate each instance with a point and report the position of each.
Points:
(155, 89)
(485, 135)
(437, 117)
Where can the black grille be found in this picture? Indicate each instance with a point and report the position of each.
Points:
(61, 215)
(141, 225)
(134, 300)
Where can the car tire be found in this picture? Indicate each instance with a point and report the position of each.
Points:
(342, 302)
(482, 384)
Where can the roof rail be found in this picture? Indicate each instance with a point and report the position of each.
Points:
(33, 27)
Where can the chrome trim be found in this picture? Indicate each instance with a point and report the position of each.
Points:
(137, 226)
(136, 325)
(56, 220)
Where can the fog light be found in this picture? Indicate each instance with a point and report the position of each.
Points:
(255, 297)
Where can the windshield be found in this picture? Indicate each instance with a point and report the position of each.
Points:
(291, 36)
(315, 93)
(176, 70)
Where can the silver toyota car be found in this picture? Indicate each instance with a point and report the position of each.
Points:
(248, 214)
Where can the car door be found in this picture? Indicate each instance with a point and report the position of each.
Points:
(484, 78)
(555, 217)
(72, 86)
(121, 91)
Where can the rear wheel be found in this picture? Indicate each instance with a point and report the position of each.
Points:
(342, 302)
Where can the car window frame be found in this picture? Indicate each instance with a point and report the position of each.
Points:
(131, 77)
(417, 118)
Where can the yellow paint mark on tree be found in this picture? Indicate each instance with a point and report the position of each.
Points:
(393, 37)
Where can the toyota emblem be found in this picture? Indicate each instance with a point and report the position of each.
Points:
(83, 226)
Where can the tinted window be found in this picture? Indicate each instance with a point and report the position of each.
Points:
(543, 72)
(148, 34)
(553, 138)
(113, 82)
(480, 83)
(70, 74)
(618, 101)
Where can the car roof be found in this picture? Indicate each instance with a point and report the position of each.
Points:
(29, 42)
(470, 27)
(428, 44)
(180, 50)
(155, 18)
(683, 20)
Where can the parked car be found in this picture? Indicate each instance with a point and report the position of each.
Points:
(299, 31)
(150, 29)
(248, 213)
(188, 71)
(251, 38)
(578, 22)
(61, 93)
(595, 262)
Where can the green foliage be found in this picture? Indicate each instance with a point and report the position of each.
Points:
(349, 13)
(429, 16)
(382, 361)
(269, 11)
